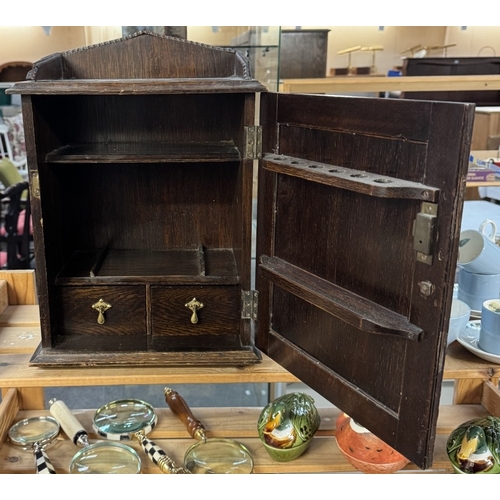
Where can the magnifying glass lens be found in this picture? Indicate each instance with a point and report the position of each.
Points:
(41, 430)
(106, 458)
(218, 456)
(124, 417)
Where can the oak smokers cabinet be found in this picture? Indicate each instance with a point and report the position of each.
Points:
(141, 156)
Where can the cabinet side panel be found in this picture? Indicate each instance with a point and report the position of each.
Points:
(33, 158)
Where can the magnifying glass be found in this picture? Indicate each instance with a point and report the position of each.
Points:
(36, 434)
(209, 455)
(132, 418)
(97, 458)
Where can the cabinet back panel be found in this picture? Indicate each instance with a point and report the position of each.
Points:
(144, 207)
(150, 56)
(145, 118)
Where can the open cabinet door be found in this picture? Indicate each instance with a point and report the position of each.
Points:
(359, 211)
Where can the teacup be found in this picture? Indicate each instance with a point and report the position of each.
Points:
(459, 316)
(477, 253)
(493, 231)
(489, 335)
(475, 288)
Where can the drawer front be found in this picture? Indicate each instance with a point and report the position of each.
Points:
(214, 325)
(100, 310)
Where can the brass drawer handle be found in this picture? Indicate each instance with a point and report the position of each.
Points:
(194, 305)
(100, 306)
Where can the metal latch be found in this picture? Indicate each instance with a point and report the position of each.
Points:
(253, 142)
(424, 232)
(35, 185)
(249, 304)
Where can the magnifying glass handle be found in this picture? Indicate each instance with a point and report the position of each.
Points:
(70, 424)
(42, 461)
(180, 408)
(158, 456)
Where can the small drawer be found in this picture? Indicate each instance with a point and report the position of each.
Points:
(117, 313)
(213, 324)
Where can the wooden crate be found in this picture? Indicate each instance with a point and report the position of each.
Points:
(19, 313)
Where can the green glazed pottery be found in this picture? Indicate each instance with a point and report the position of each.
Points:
(474, 446)
(286, 454)
(287, 425)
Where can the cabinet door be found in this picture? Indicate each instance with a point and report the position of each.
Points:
(360, 203)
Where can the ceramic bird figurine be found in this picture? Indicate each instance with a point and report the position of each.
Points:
(474, 446)
(288, 421)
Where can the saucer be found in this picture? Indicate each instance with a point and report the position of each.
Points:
(469, 338)
(475, 314)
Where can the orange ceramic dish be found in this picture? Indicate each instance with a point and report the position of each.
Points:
(365, 451)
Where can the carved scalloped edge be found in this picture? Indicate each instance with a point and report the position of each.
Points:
(239, 56)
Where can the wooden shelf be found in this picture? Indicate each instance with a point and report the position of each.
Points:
(460, 364)
(15, 372)
(142, 152)
(323, 454)
(186, 266)
(482, 184)
(476, 383)
(348, 84)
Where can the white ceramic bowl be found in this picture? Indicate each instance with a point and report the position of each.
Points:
(460, 314)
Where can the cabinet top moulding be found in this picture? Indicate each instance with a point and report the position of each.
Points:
(112, 68)
(134, 86)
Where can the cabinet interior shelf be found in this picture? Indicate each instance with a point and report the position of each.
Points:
(120, 152)
(184, 266)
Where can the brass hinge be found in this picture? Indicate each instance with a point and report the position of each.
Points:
(35, 185)
(249, 304)
(253, 142)
(424, 232)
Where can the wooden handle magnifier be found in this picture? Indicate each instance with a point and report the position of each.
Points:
(208, 455)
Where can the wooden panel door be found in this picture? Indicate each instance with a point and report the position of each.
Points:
(360, 204)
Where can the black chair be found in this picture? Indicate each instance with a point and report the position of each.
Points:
(16, 232)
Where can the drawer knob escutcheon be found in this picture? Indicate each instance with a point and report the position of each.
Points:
(194, 305)
(100, 306)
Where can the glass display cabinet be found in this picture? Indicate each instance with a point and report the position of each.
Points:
(260, 44)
